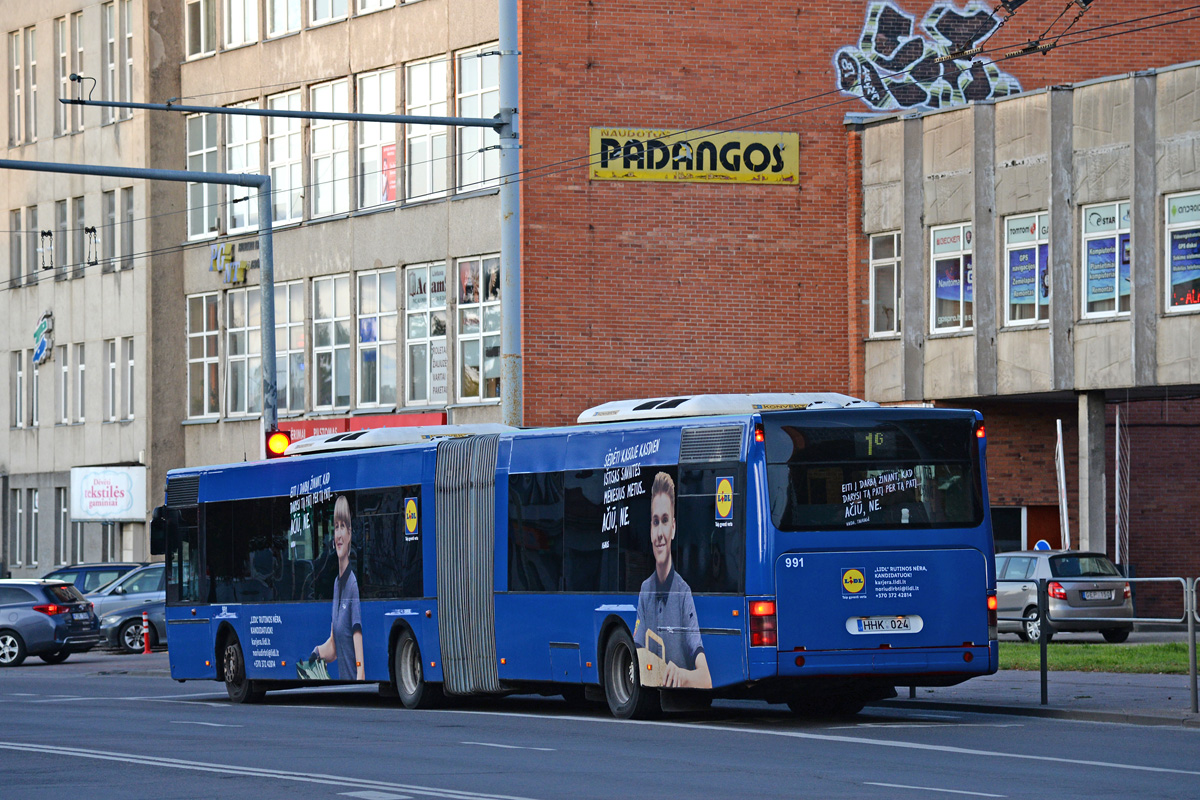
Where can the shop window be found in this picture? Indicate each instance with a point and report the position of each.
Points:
(953, 279)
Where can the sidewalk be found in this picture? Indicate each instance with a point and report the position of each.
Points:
(1138, 699)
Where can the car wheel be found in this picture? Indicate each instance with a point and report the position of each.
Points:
(12, 649)
(1115, 635)
(627, 698)
(130, 637)
(1031, 629)
(55, 658)
(411, 686)
(237, 685)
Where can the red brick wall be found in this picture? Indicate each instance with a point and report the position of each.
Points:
(646, 289)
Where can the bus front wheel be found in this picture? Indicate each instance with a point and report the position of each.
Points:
(414, 690)
(240, 688)
(627, 698)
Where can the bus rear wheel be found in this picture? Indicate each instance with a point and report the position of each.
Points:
(411, 686)
(627, 698)
(240, 688)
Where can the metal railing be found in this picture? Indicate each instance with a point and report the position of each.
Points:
(1190, 616)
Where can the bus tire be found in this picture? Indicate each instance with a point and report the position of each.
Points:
(237, 685)
(411, 686)
(627, 698)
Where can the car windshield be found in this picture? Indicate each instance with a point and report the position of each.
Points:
(1082, 567)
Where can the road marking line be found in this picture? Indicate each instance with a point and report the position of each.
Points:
(930, 789)
(370, 794)
(250, 772)
(926, 725)
(208, 724)
(511, 746)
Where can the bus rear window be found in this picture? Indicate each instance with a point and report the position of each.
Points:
(873, 470)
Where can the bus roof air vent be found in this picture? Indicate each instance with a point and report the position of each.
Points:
(389, 437)
(710, 405)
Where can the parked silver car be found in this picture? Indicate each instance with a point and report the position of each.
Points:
(142, 584)
(122, 627)
(48, 619)
(1083, 587)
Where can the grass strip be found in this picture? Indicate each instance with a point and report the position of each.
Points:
(1170, 657)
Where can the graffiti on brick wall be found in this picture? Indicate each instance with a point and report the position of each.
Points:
(895, 64)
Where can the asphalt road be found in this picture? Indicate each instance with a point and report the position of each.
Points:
(101, 726)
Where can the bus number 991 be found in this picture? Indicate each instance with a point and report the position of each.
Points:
(793, 561)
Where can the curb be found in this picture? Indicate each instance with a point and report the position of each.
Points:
(1185, 720)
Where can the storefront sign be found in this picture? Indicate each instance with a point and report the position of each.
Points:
(303, 428)
(108, 494)
(234, 260)
(641, 154)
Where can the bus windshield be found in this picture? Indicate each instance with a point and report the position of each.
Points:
(879, 470)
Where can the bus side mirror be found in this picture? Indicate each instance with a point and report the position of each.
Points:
(158, 530)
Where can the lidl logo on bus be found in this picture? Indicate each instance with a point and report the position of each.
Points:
(410, 515)
(852, 581)
(724, 498)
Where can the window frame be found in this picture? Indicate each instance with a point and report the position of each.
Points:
(108, 241)
(286, 349)
(18, 395)
(420, 81)
(373, 142)
(31, 84)
(129, 397)
(421, 313)
(16, 248)
(964, 253)
(77, 61)
(62, 524)
(376, 323)
(35, 389)
(62, 73)
(1094, 228)
(205, 39)
(486, 304)
(110, 381)
(245, 14)
(333, 15)
(1171, 209)
(108, 66)
(32, 549)
(875, 264)
(287, 202)
(64, 385)
(248, 403)
(243, 156)
(293, 17)
(333, 349)
(202, 155)
(329, 164)
(1016, 228)
(18, 526)
(16, 88)
(477, 143)
(80, 382)
(127, 227)
(208, 359)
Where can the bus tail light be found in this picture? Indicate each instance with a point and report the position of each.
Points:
(992, 605)
(1056, 590)
(759, 434)
(51, 609)
(763, 632)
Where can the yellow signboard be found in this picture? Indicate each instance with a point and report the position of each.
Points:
(647, 154)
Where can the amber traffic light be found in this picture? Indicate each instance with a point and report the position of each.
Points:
(277, 443)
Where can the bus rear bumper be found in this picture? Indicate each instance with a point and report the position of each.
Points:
(965, 661)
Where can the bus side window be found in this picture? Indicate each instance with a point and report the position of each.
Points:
(535, 532)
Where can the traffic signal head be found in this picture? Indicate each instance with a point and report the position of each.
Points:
(277, 443)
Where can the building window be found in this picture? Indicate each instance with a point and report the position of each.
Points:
(243, 351)
(108, 74)
(202, 157)
(62, 526)
(16, 258)
(108, 235)
(1183, 252)
(478, 96)
(377, 338)
(80, 383)
(479, 328)
(77, 59)
(79, 240)
(885, 284)
(242, 138)
(201, 25)
(18, 396)
(35, 399)
(289, 345)
(17, 548)
(204, 396)
(328, 11)
(331, 342)
(59, 240)
(283, 16)
(330, 143)
(953, 278)
(425, 333)
(283, 157)
(367, 6)
(376, 140)
(64, 386)
(33, 245)
(126, 58)
(241, 22)
(31, 84)
(129, 395)
(426, 159)
(16, 90)
(1106, 260)
(32, 547)
(110, 381)
(127, 228)
(77, 551)
(1027, 268)
(62, 73)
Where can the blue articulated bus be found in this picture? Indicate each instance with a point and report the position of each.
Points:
(807, 549)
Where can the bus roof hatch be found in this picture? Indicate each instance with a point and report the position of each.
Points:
(710, 405)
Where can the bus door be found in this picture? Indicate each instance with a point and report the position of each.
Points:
(465, 481)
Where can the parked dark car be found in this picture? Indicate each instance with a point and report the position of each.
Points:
(90, 577)
(122, 627)
(48, 619)
(137, 586)
(1083, 587)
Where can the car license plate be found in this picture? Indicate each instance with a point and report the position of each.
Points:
(80, 615)
(1100, 594)
(903, 623)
